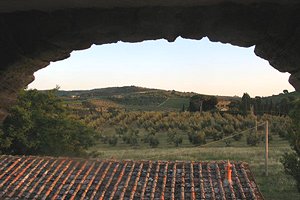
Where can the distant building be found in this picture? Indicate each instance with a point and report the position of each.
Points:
(75, 97)
(223, 105)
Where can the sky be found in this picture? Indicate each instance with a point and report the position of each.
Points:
(184, 65)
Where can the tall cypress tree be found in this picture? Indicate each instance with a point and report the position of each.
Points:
(245, 104)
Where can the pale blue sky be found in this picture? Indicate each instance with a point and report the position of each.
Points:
(184, 65)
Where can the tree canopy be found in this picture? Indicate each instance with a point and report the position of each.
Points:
(208, 103)
(39, 125)
(245, 104)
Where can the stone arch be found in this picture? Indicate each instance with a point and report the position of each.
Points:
(36, 33)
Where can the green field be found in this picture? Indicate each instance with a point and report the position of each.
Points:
(175, 103)
(277, 186)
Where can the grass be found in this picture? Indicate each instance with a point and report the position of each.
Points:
(170, 104)
(175, 103)
(276, 186)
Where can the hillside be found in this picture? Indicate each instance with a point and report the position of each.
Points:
(131, 98)
(279, 97)
(148, 99)
(125, 90)
(136, 98)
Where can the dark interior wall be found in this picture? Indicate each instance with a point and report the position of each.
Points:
(31, 39)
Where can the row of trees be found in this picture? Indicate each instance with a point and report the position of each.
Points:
(177, 125)
(134, 137)
(261, 106)
(202, 103)
(217, 124)
(245, 106)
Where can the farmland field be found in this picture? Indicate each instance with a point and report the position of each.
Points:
(126, 123)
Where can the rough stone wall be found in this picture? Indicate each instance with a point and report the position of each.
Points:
(31, 39)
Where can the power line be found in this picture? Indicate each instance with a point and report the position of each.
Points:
(242, 132)
(231, 136)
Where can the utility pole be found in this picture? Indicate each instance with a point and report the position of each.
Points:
(267, 148)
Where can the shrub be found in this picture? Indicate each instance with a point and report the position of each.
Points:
(131, 137)
(121, 130)
(146, 138)
(197, 138)
(113, 140)
(228, 129)
(252, 139)
(170, 135)
(283, 133)
(177, 140)
(152, 131)
(291, 161)
(218, 136)
(153, 141)
(291, 164)
(104, 139)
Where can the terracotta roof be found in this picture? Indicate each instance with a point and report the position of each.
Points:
(30, 177)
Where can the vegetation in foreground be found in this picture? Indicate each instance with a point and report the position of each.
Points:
(291, 161)
(40, 125)
(43, 124)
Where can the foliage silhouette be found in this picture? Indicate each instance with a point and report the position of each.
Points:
(39, 124)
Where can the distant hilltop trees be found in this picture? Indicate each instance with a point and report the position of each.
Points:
(275, 105)
(202, 103)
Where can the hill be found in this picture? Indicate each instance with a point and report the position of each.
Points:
(277, 98)
(125, 90)
(136, 98)
(149, 99)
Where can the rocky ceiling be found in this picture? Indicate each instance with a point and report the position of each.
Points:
(34, 33)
